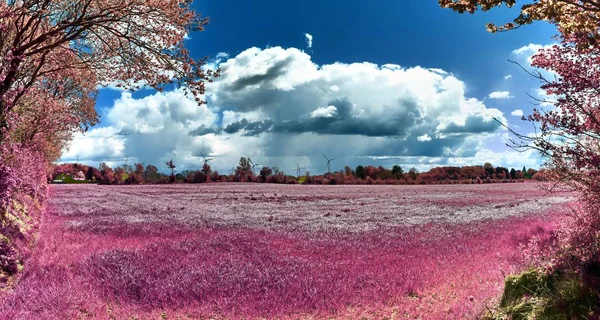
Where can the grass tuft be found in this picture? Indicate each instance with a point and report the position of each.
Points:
(535, 294)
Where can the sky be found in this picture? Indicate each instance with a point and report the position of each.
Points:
(371, 83)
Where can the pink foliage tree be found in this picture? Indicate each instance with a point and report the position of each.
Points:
(569, 137)
(569, 131)
(53, 56)
(128, 43)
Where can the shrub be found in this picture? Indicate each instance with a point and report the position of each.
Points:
(22, 189)
(536, 294)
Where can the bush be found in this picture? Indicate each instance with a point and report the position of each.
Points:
(9, 261)
(23, 187)
(536, 294)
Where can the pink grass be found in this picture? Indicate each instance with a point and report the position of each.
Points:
(130, 260)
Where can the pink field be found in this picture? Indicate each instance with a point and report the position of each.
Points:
(278, 251)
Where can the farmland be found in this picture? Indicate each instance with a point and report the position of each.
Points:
(284, 251)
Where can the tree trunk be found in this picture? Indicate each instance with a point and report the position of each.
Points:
(3, 122)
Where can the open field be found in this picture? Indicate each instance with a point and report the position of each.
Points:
(283, 251)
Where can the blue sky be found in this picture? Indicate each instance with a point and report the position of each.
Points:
(335, 96)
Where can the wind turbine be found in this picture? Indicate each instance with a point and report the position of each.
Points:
(298, 168)
(253, 164)
(328, 162)
(232, 169)
(171, 166)
(206, 160)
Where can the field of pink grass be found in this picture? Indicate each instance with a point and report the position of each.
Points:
(278, 251)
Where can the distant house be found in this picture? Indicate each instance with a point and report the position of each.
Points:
(80, 176)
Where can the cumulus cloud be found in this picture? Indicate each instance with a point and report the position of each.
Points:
(276, 104)
(517, 113)
(324, 112)
(309, 40)
(150, 129)
(529, 51)
(500, 95)
(424, 138)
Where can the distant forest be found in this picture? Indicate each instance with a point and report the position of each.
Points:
(246, 171)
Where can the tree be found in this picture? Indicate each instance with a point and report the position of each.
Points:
(136, 175)
(128, 42)
(412, 173)
(572, 17)
(90, 173)
(348, 171)
(488, 168)
(513, 173)
(244, 169)
(106, 174)
(265, 172)
(139, 169)
(206, 170)
(46, 127)
(472, 172)
(360, 171)
(120, 175)
(103, 166)
(397, 172)
(151, 173)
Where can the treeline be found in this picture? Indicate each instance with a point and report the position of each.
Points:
(246, 171)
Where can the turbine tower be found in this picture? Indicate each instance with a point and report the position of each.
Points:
(298, 168)
(328, 162)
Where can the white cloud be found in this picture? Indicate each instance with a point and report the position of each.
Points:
(546, 100)
(424, 137)
(309, 40)
(510, 159)
(98, 145)
(500, 95)
(507, 77)
(391, 66)
(277, 106)
(149, 129)
(530, 50)
(517, 113)
(324, 112)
